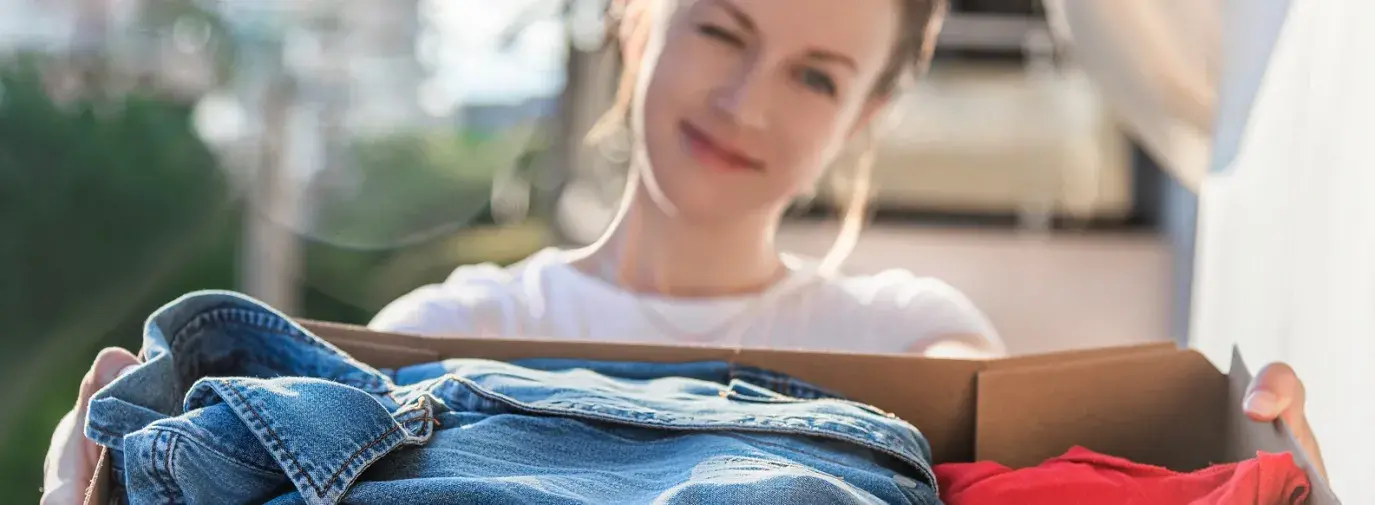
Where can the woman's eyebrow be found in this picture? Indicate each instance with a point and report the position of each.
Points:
(735, 12)
(832, 56)
(747, 24)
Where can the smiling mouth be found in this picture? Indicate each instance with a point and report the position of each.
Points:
(712, 153)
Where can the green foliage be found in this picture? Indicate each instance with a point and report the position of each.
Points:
(403, 210)
(408, 208)
(107, 209)
(412, 187)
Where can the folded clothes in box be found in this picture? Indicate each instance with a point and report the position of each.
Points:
(238, 404)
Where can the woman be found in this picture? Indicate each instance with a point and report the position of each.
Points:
(735, 108)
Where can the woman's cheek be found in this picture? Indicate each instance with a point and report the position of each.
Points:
(809, 147)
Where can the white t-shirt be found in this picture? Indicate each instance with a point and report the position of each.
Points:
(545, 297)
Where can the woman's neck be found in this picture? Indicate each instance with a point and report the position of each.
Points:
(648, 251)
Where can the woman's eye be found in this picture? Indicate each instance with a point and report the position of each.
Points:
(721, 34)
(817, 81)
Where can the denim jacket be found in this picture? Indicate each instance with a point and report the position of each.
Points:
(235, 403)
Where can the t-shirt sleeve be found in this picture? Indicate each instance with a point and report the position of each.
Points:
(427, 310)
(473, 302)
(936, 318)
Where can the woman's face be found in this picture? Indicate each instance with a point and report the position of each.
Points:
(748, 101)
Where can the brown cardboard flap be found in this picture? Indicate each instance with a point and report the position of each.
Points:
(1080, 355)
(1245, 437)
(1161, 408)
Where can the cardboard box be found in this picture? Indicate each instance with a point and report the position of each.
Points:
(1152, 404)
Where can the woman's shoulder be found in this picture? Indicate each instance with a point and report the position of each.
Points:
(932, 315)
(473, 300)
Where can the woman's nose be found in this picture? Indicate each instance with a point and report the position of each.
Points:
(743, 100)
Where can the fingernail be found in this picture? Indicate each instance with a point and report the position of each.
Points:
(1263, 403)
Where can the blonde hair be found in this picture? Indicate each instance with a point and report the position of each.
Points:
(911, 57)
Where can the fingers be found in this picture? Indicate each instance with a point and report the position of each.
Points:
(64, 457)
(109, 365)
(71, 459)
(1276, 393)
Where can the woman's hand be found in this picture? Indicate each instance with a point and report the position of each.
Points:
(1277, 393)
(72, 458)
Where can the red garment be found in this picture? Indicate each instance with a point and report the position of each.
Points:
(1084, 476)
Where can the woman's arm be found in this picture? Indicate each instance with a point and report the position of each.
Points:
(959, 346)
(474, 302)
(929, 317)
(434, 310)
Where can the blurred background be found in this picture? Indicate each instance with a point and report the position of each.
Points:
(1090, 173)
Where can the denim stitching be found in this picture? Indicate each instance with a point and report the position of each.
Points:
(233, 312)
(783, 447)
(165, 488)
(96, 427)
(272, 433)
(349, 462)
(172, 440)
(234, 317)
(781, 384)
(781, 399)
(788, 465)
(200, 397)
(319, 491)
(412, 419)
(154, 471)
(188, 438)
(230, 312)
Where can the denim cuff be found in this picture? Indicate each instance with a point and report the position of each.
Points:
(321, 458)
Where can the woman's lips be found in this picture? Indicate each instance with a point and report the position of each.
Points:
(709, 152)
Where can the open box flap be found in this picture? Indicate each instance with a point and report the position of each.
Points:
(1032, 413)
(1063, 357)
(1183, 402)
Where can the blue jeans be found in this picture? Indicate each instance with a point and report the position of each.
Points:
(235, 403)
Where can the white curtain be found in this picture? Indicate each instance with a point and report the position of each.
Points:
(1286, 263)
(1286, 255)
